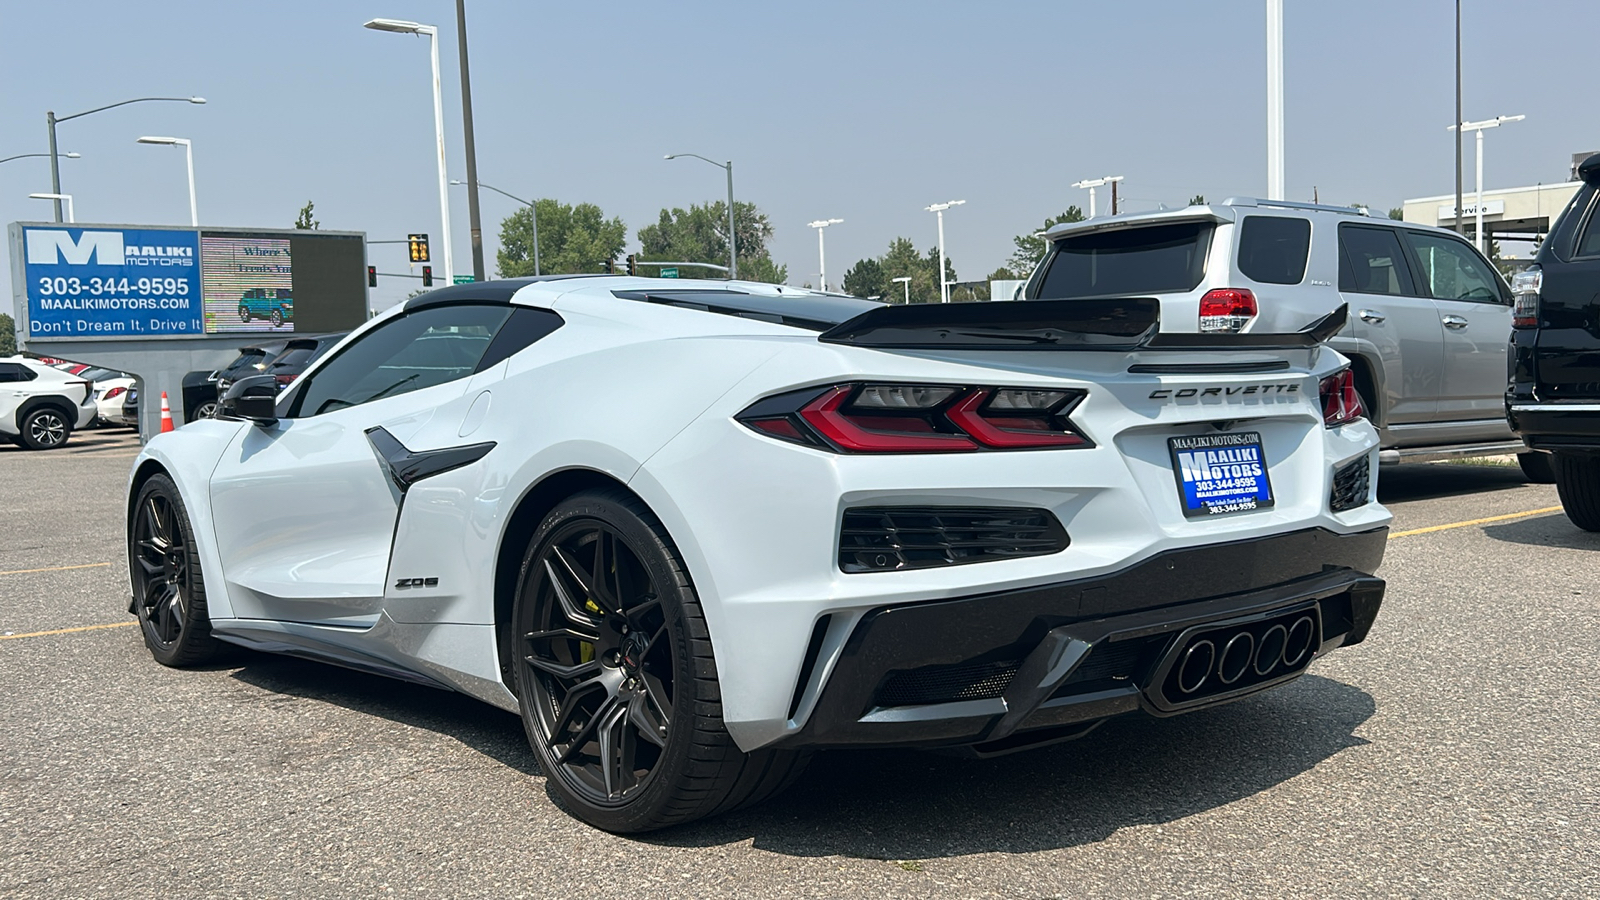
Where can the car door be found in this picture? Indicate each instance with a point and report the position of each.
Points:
(1474, 307)
(1390, 315)
(306, 508)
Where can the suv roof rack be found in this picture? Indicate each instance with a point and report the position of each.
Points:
(1291, 204)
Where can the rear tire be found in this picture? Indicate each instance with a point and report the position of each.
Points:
(46, 428)
(1578, 484)
(616, 677)
(1538, 467)
(169, 590)
(206, 410)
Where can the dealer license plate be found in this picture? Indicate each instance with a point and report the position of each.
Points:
(1220, 473)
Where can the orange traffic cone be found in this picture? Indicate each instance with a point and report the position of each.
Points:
(166, 414)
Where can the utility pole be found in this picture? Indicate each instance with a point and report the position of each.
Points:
(1113, 198)
(1275, 100)
(473, 223)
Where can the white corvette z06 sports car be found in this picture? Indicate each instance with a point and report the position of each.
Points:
(692, 531)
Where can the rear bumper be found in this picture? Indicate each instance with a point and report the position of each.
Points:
(1571, 427)
(1005, 671)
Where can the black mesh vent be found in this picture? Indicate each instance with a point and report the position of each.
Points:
(944, 684)
(1112, 664)
(1350, 486)
(886, 538)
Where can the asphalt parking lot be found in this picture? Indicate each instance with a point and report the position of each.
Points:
(1453, 754)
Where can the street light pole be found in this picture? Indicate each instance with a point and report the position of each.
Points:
(906, 281)
(938, 210)
(1459, 229)
(733, 240)
(400, 26)
(474, 225)
(1496, 122)
(188, 150)
(822, 255)
(36, 155)
(535, 211)
(51, 121)
(1274, 99)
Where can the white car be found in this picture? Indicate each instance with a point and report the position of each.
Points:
(692, 530)
(109, 396)
(40, 406)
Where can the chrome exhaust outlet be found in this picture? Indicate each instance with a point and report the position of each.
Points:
(1195, 669)
(1269, 652)
(1298, 642)
(1236, 657)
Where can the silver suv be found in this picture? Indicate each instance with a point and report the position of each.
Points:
(1429, 316)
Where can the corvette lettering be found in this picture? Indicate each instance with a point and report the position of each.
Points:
(1246, 390)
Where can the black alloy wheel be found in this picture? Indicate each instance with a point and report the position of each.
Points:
(616, 677)
(45, 429)
(168, 590)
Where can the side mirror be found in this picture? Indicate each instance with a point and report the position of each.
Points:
(254, 398)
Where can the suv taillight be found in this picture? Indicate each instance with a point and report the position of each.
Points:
(1341, 402)
(114, 392)
(858, 417)
(283, 380)
(1526, 285)
(1226, 310)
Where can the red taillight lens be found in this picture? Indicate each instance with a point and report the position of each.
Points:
(1341, 402)
(114, 392)
(913, 418)
(283, 380)
(876, 433)
(1226, 310)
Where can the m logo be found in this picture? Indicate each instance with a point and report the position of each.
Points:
(47, 247)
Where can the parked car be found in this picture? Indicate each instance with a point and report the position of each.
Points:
(130, 406)
(1429, 315)
(276, 304)
(1553, 400)
(201, 387)
(109, 394)
(40, 406)
(693, 530)
(298, 354)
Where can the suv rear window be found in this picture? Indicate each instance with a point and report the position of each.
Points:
(1272, 249)
(1154, 259)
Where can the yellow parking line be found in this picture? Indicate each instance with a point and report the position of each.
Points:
(55, 569)
(13, 637)
(1469, 522)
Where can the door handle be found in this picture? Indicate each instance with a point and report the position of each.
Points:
(1372, 316)
(1456, 322)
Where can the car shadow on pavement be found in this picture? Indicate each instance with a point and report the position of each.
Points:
(1552, 530)
(1137, 770)
(1423, 481)
(493, 732)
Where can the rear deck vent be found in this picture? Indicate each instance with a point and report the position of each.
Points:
(1351, 486)
(889, 538)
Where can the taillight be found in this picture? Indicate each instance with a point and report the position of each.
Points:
(1526, 286)
(918, 418)
(1226, 310)
(1341, 402)
(283, 380)
(114, 392)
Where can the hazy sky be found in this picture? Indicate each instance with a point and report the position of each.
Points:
(865, 111)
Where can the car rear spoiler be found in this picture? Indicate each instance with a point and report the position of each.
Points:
(1123, 325)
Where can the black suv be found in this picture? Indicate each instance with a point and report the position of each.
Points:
(1553, 401)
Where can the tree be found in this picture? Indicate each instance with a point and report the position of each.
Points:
(875, 277)
(1030, 247)
(700, 234)
(1397, 213)
(8, 336)
(572, 239)
(304, 221)
(1197, 200)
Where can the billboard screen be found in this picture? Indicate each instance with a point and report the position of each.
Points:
(136, 282)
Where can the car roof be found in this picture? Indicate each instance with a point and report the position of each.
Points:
(1232, 210)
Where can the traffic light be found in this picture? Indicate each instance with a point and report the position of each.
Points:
(419, 247)
(372, 276)
(633, 263)
(611, 267)
(427, 276)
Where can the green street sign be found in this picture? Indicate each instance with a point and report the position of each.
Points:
(669, 272)
(463, 279)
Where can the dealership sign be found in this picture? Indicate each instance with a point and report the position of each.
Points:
(1447, 212)
(89, 282)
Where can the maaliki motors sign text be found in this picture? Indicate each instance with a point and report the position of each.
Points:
(88, 282)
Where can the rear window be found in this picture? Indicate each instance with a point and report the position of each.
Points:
(1272, 249)
(295, 355)
(1154, 259)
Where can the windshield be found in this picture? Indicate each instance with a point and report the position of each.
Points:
(1151, 260)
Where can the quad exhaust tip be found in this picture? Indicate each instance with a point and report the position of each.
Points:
(1279, 649)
